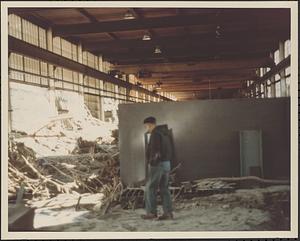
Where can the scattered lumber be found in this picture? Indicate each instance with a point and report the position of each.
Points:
(48, 177)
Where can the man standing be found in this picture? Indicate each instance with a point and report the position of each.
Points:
(158, 157)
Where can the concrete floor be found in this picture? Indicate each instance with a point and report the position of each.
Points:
(243, 210)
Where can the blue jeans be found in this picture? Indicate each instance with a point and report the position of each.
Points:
(158, 178)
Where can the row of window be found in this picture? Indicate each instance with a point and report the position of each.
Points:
(33, 71)
(28, 32)
(274, 86)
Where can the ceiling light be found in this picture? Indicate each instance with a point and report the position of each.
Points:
(128, 15)
(157, 50)
(218, 31)
(146, 37)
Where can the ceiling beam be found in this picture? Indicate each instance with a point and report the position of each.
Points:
(200, 87)
(85, 13)
(32, 10)
(190, 59)
(161, 22)
(92, 19)
(197, 79)
(113, 36)
(21, 47)
(190, 52)
(193, 40)
(238, 63)
(135, 12)
(207, 73)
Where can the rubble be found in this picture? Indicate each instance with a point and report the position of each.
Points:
(46, 177)
(23, 171)
(86, 178)
(59, 135)
(133, 197)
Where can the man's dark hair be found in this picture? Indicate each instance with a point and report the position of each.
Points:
(150, 119)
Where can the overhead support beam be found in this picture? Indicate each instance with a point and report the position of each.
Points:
(198, 79)
(159, 22)
(85, 13)
(92, 19)
(206, 73)
(189, 53)
(31, 10)
(135, 12)
(187, 88)
(229, 64)
(202, 87)
(187, 59)
(113, 36)
(18, 46)
(239, 38)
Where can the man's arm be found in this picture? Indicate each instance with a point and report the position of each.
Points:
(155, 147)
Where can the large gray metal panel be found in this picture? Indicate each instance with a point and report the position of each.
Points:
(206, 135)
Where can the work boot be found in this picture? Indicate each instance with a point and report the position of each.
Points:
(149, 216)
(166, 216)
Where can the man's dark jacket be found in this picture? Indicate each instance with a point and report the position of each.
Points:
(159, 147)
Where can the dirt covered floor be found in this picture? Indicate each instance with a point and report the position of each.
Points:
(83, 192)
(259, 209)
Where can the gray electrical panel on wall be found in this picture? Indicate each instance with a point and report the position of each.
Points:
(251, 153)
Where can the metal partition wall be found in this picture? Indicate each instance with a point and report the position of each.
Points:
(206, 136)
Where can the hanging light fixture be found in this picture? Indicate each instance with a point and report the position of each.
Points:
(157, 50)
(218, 31)
(128, 15)
(146, 37)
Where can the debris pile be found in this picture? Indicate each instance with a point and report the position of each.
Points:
(23, 172)
(88, 172)
(46, 177)
(133, 198)
(59, 135)
(70, 153)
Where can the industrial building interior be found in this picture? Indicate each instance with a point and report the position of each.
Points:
(81, 81)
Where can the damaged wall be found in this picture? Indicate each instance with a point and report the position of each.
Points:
(33, 106)
(53, 119)
(206, 136)
(30, 106)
